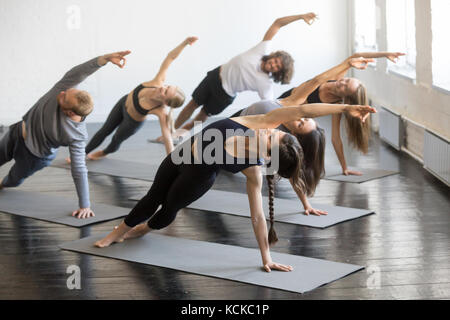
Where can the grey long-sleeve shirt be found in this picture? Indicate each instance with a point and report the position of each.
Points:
(49, 128)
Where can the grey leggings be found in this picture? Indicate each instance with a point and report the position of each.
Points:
(120, 119)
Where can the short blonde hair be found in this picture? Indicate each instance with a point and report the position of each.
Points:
(177, 100)
(84, 105)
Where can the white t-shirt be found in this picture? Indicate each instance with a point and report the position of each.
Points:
(243, 73)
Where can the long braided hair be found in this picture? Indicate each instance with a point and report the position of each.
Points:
(272, 234)
(290, 161)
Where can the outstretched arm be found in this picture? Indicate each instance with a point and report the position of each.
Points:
(301, 93)
(79, 175)
(393, 56)
(77, 74)
(338, 146)
(254, 185)
(281, 115)
(171, 56)
(165, 130)
(281, 22)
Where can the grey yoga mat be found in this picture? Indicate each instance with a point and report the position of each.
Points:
(53, 208)
(288, 211)
(368, 174)
(206, 258)
(116, 168)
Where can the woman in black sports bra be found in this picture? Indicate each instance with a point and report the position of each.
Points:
(334, 88)
(180, 181)
(129, 113)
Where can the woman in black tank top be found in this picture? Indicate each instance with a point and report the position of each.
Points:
(332, 87)
(129, 113)
(180, 181)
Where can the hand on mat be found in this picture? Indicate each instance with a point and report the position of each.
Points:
(360, 63)
(179, 133)
(310, 17)
(361, 112)
(83, 213)
(191, 40)
(347, 172)
(117, 58)
(277, 266)
(394, 56)
(315, 212)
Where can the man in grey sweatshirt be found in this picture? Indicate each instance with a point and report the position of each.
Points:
(56, 119)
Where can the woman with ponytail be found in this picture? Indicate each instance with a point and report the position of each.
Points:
(128, 115)
(239, 144)
(335, 88)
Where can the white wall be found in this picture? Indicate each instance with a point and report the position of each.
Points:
(38, 47)
(417, 100)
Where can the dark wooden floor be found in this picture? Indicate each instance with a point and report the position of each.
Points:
(406, 243)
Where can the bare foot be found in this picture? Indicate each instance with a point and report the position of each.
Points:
(115, 236)
(137, 231)
(96, 155)
(68, 160)
(121, 238)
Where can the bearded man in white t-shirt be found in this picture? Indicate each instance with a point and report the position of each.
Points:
(254, 70)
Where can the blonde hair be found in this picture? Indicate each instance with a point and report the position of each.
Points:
(85, 104)
(175, 102)
(358, 133)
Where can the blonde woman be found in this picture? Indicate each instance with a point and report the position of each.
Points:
(348, 91)
(128, 115)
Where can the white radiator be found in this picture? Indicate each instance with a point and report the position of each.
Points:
(436, 156)
(390, 128)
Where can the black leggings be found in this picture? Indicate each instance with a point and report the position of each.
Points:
(120, 119)
(174, 188)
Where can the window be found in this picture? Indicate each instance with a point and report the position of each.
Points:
(401, 35)
(440, 24)
(365, 25)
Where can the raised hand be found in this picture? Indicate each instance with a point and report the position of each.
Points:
(83, 213)
(190, 40)
(394, 56)
(361, 112)
(310, 17)
(117, 58)
(360, 63)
